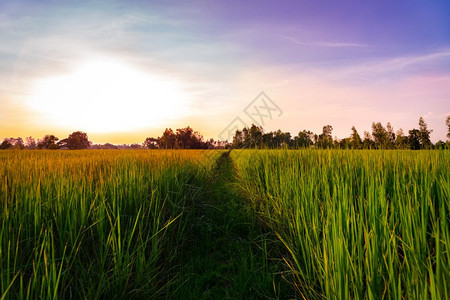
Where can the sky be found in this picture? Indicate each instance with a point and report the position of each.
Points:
(122, 71)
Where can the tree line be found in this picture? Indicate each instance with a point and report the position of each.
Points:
(380, 138)
(183, 138)
(254, 136)
(76, 141)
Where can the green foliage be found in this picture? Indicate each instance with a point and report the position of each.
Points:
(424, 134)
(355, 139)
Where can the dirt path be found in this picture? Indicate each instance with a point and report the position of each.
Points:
(227, 256)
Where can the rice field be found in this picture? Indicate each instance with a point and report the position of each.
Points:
(141, 224)
(94, 224)
(356, 224)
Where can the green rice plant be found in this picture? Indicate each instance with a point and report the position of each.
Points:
(94, 224)
(356, 224)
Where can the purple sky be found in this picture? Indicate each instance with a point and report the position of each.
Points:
(342, 63)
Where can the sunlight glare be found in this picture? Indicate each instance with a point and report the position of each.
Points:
(107, 96)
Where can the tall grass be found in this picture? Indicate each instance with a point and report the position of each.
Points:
(356, 224)
(94, 224)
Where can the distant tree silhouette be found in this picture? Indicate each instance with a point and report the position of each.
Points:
(355, 139)
(390, 136)
(238, 139)
(6, 144)
(184, 138)
(168, 139)
(414, 139)
(187, 138)
(18, 143)
(440, 145)
(401, 141)
(151, 143)
(76, 141)
(368, 142)
(106, 146)
(424, 134)
(325, 139)
(380, 136)
(447, 122)
(305, 139)
(30, 143)
(48, 142)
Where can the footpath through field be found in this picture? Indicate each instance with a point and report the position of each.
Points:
(227, 254)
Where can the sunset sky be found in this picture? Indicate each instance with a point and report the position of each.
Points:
(125, 70)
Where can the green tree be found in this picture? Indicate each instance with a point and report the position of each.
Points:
(391, 136)
(424, 134)
(238, 139)
(355, 139)
(325, 139)
(401, 141)
(414, 139)
(252, 137)
(440, 145)
(304, 139)
(368, 142)
(268, 140)
(380, 136)
(282, 139)
(447, 122)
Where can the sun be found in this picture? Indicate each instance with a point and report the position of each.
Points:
(108, 96)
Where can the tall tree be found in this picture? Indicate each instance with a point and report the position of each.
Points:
(282, 139)
(268, 140)
(187, 138)
(401, 141)
(414, 139)
(380, 135)
(238, 139)
(255, 134)
(424, 134)
(391, 136)
(368, 142)
(168, 139)
(355, 139)
(325, 139)
(447, 122)
(304, 139)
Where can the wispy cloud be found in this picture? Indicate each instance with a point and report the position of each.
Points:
(322, 43)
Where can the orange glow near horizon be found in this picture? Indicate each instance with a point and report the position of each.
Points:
(104, 95)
